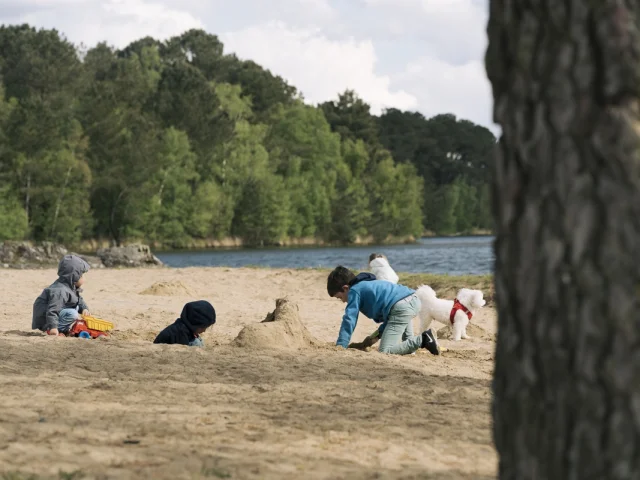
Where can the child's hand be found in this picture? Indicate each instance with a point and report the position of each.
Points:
(85, 313)
(371, 340)
(53, 331)
(359, 346)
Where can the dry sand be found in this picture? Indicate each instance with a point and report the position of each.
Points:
(125, 408)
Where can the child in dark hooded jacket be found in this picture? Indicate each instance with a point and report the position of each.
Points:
(60, 304)
(195, 318)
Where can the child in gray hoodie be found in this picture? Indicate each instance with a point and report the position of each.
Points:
(60, 304)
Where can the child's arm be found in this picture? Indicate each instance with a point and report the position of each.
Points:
(369, 341)
(374, 337)
(349, 320)
(55, 305)
(82, 306)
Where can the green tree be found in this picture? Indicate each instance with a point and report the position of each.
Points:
(350, 214)
(483, 208)
(351, 117)
(14, 223)
(7, 173)
(262, 213)
(306, 153)
(60, 206)
(466, 208)
(165, 141)
(396, 200)
(199, 49)
(442, 207)
(263, 88)
(125, 138)
(209, 214)
(242, 153)
(187, 100)
(45, 150)
(164, 198)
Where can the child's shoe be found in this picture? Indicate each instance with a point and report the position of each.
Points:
(429, 342)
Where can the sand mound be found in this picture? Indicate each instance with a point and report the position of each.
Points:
(174, 288)
(473, 330)
(282, 329)
(132, 335)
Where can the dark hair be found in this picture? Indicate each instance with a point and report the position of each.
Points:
(338, 278)
(373, 256)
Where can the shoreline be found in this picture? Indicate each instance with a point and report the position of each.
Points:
(236, 244)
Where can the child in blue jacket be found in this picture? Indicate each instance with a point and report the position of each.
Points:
(393, 306)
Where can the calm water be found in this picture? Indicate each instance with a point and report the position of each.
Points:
(454, 256)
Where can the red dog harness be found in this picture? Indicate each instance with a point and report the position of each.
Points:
(458, 306)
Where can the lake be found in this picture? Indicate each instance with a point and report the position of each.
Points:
(442, 255)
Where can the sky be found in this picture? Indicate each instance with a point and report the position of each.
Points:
(418, 55)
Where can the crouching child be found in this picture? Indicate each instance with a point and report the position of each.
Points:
(60, 305)
(392, 306)
(194, 320)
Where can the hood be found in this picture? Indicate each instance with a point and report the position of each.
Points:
(198, 314)
(70, 269)
(379, 262)
(362, 277)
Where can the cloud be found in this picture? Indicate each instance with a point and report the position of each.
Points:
(440, 87)
(445, 70)
(319, 67)
(119, 22)
(452, 30)
(423, 55)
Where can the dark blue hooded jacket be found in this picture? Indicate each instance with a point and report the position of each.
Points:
(200, 314)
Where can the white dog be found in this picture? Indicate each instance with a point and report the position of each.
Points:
(379, 266)
(455, 313)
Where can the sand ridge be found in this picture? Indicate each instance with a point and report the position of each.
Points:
(170, 288)
(237, 408)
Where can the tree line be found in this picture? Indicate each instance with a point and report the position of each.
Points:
(170, 141)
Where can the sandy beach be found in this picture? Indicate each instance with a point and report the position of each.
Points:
(127, 409)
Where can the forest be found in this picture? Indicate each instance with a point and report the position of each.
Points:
(170, 142)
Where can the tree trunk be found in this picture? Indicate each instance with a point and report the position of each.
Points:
(59, 202)
(27, 199)
(566, 80)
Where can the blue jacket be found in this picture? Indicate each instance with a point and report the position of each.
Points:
(374, 298)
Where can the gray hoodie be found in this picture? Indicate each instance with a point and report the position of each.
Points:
(62, 294)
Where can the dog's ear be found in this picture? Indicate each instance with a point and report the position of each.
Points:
(465, 296)
(479, 299)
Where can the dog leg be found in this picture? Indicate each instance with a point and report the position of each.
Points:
(464, 334)
(425, 323)
(456, 333)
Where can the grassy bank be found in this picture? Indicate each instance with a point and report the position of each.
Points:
(446, 286)
(91, 245)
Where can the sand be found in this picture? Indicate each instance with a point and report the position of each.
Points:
(168, 289)
(277, 401)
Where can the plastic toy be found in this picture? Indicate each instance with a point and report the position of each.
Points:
(95, 323)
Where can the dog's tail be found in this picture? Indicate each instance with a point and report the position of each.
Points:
(426, 291)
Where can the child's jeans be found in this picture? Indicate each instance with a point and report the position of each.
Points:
(66, 317)
(397, 337)
(196, 342)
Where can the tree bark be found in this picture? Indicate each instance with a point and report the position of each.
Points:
(59, 202)
(27, 199)
(566, 202)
